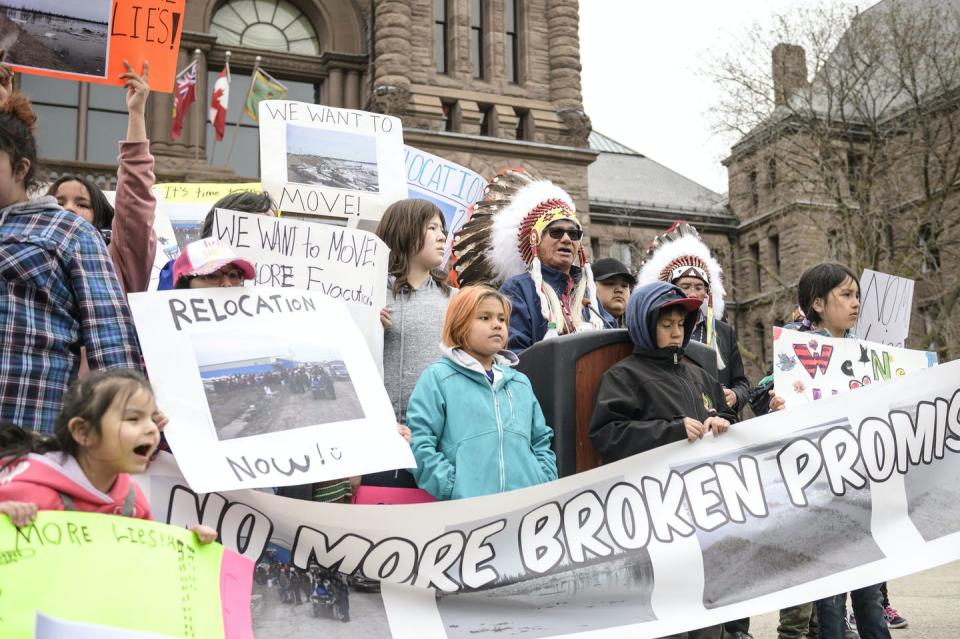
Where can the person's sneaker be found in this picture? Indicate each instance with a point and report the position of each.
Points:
(894, 620)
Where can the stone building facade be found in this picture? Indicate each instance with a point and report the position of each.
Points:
(806, 187)
(485, 83)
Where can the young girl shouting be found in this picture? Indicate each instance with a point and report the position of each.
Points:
(477, 426)
(109, 428)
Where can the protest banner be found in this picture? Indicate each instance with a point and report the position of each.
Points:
(148, 576)
(451, 187)
(265, 387)
(886, 302)
(783, 509)
(808, 367)
(186, 204)
(341, 263)
(325, 161)
(88, 41)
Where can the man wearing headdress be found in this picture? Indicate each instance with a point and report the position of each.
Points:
(525, 233)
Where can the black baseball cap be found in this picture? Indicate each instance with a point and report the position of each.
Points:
(607, 267)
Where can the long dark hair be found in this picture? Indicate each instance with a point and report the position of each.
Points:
(817, 282)
(17, 129)
(402, 228)
(102, 209)
(89, 398)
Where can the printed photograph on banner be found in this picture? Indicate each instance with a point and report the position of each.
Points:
(932, 486)
(764, 540)
(336, 159)
(298, 603)
(256, 384)
(56, 35)
(566, 592)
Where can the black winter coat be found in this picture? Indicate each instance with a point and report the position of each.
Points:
(643, 399)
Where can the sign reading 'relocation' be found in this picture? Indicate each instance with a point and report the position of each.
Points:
(265, 387)
(330, 162)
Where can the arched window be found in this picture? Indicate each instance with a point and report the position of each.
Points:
(275, 25)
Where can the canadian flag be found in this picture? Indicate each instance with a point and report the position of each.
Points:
(219, 101)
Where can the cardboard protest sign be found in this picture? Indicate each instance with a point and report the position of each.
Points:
(781, 510)
(339, 163)
(886, 302)
(341, 263)
(186, 204)
(451, 187)
(89, 40)
(265, 387)
(807, 367)
(147, 576)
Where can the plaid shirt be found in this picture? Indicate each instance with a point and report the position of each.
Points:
(60, 292)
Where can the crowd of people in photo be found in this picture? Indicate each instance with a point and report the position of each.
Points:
(79, 417)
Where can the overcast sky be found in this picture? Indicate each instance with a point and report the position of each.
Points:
(96, 10)
(641, 74)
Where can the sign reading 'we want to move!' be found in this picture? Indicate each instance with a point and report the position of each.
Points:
(331, 162)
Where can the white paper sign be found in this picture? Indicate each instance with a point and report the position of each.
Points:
(333, 162)
(344, 264)
(781, 510)
(886, 302)
(451, 187)
(807, 367)
(265, 387)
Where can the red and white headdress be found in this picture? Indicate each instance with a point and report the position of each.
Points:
(503, 231)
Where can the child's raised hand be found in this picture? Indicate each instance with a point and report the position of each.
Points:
(205, 534)
(385, 318)
(695, 429)
(717, 424)
(405, 433)
(21, 513)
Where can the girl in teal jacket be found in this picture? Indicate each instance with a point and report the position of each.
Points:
(477, 426)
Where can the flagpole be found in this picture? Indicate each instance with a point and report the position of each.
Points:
(236, 128)
(213, 152)
(197, 122)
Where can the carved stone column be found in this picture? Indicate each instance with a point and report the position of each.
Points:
(391, 50)
(563, 22)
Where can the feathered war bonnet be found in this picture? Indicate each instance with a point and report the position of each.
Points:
(681, 253)
(503, 232)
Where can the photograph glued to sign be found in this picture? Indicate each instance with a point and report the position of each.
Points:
(808, 367)
(265, 387)
(330, 162)
(89, 40)
(186, 204)
(781, 510)
(343, 264)
(146, 576)
(886, 302)
(451, 187)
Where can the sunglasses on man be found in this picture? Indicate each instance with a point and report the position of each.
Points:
(558, 232)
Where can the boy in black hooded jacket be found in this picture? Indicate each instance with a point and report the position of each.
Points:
(654, 397)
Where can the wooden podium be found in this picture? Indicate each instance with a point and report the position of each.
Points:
(565, 373)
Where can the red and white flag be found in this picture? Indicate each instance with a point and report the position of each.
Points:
(219, 101)
(184, 94)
